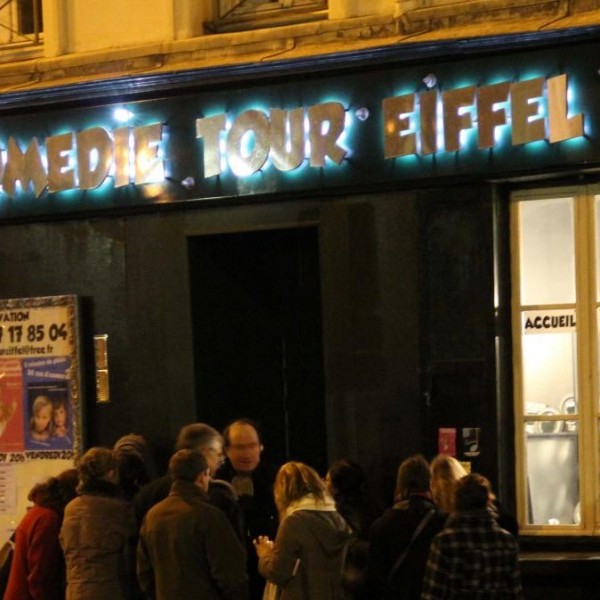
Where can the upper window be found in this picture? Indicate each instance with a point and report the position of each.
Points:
(239, 15)
(20, 23)
(30, 17)
(556, 298)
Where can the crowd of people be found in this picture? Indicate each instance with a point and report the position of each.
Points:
(222, 524)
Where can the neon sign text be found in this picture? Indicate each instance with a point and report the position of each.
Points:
(84, 160)
(411, 123)
(287, 137)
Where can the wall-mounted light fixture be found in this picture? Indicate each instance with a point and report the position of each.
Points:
(430, 81)
(101, 360)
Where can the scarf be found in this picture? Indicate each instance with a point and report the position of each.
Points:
(311, 502)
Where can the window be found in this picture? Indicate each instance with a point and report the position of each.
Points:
(555, 239)
(239, 15)
(20, 23)
(30, 16)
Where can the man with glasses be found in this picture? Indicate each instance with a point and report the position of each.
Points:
(252, 480)
(208, 441)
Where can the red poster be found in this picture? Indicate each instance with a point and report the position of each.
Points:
(11, 406)
(447, 441)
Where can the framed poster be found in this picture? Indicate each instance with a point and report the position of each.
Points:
(40, 405)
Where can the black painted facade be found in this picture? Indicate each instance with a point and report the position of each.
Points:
(360, 313)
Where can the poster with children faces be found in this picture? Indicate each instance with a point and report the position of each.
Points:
(39, 379)
(40, 405)
(46, 384)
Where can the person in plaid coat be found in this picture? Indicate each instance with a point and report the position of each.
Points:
(472, 557)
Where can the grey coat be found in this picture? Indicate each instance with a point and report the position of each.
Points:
(306, 560)
(98, 539)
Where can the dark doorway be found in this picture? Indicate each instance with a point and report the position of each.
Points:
(256, 313)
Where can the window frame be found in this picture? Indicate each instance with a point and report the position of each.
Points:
(275, 13)
(586, 308)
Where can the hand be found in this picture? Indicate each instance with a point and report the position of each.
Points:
(263, 545)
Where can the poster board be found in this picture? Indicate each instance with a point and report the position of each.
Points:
(40, 404)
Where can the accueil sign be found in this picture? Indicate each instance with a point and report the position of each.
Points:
(413, 124)
(549, 321)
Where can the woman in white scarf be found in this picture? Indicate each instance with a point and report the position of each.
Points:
(305, 560)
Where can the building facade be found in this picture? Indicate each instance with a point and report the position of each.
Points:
(371, 226)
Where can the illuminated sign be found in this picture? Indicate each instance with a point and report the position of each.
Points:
(84, 160)
(287, 137)
(412, 125)
(255, 150)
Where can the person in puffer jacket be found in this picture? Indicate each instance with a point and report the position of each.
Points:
(98, 533)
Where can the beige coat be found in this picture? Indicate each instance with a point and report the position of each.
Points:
(306, 559)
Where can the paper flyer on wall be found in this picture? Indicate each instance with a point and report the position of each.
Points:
(39, 379)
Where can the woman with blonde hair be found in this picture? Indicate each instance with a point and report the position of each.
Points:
(445, 472)
(305, 560)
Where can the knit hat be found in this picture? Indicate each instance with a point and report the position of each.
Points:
(135, 445)
(95, 464)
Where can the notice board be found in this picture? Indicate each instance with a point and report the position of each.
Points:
(40, 403)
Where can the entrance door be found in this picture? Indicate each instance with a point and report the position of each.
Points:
(257, 337)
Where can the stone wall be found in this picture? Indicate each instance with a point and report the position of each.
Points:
(427, 15)
(182, 43)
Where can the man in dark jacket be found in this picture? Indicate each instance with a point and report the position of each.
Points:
(208, 441)
(187, 548)
(252, 479)
(391, 535)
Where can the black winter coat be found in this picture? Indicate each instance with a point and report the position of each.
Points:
(390, 535)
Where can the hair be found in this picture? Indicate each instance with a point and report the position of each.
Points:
(196, 436)
(94, 465)
(414, 477)
(60, 402)
(445, 472)
(39, 403)
(295, 480)
(55, 492)
(133, 474)
(348, 479)
(242, 421)
(186, 465)
(353, 497)
(134, 463)
(473, 491)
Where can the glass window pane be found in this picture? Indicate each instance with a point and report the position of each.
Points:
(549, 372)
(552, 474)
(547, 251)
(598, 344)
(597, 244)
